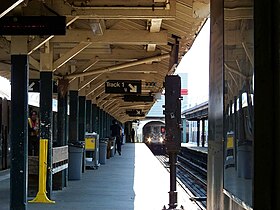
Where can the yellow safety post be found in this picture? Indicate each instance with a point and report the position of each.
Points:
(41, 196)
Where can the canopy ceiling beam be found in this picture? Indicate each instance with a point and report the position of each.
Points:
(119, 66)
(70, 54)
(91, 11)
(127, 37)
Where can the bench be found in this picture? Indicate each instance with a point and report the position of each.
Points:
(60, 159)
(59, 163)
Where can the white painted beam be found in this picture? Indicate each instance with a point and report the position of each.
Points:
(7, 6)
(70, 54)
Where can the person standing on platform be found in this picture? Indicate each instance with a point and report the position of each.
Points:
(116, 131)
(33, 134)
(133, 135)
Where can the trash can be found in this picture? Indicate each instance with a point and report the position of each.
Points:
(92, 149)
(113, 146)
(76, 152)
(102, 152)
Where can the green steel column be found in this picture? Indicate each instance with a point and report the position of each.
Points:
(88, 116)
(19, 132)
(62, 122)
(46, 122)
(266, 105)
(73, 118)
(62, 112)
(82, 118)
(99, 124)
(95, 118)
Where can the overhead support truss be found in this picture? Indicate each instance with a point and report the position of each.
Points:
(91, 11)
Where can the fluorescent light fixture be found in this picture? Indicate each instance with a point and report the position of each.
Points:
(11, 8)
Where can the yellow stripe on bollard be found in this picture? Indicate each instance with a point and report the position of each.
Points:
(41, 196)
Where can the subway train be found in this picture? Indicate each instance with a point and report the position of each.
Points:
(5, 134)
(154, 137)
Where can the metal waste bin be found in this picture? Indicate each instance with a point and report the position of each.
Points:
(76, 151)
(102, 152)
(113, 146)
(92, 149)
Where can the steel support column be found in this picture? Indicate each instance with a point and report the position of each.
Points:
(82, 118)
(198, 133)
(19, 132)
(88, 116)
(73, 118)
(95, 118)
(100, 129)
(62, 122)
(203, 133)
(266, 105)
(215, 196)
(46, 122)
(62, 112)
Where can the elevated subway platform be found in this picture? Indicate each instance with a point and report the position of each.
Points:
(194, 147)
(133, 181)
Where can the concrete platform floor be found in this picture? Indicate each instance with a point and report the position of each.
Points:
(133, 181)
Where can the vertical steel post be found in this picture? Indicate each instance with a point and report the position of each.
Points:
(19, 132)
(172, 192)
(46, 115)
(95, 118)
(19, 116)
(46, 122)
(73, 118)
(198, 132)
(62, 112)
(88, 116)
(203, 133)
(82, 117)
(62, 123)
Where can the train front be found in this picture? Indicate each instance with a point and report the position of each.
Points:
(154, 137)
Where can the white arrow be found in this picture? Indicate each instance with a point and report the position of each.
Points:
(133, 89)
(30, 87)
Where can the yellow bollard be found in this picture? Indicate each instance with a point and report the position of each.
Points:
(41, 196)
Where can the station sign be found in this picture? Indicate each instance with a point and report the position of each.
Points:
(134, 112)
(123, 86)
(33, 25)
(34, 86)
(136, 98)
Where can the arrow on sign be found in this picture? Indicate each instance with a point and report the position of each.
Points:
(30, 87)
(133, 89)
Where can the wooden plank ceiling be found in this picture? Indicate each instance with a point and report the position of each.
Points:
(111, 40)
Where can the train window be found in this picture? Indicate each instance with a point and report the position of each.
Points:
(244, 100)
(238, 99)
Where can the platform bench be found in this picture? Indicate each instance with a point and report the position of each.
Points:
(60, 163)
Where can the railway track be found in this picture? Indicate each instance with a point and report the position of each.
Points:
(191, 175)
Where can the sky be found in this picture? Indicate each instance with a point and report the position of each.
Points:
(5, 88)
(196, 63)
